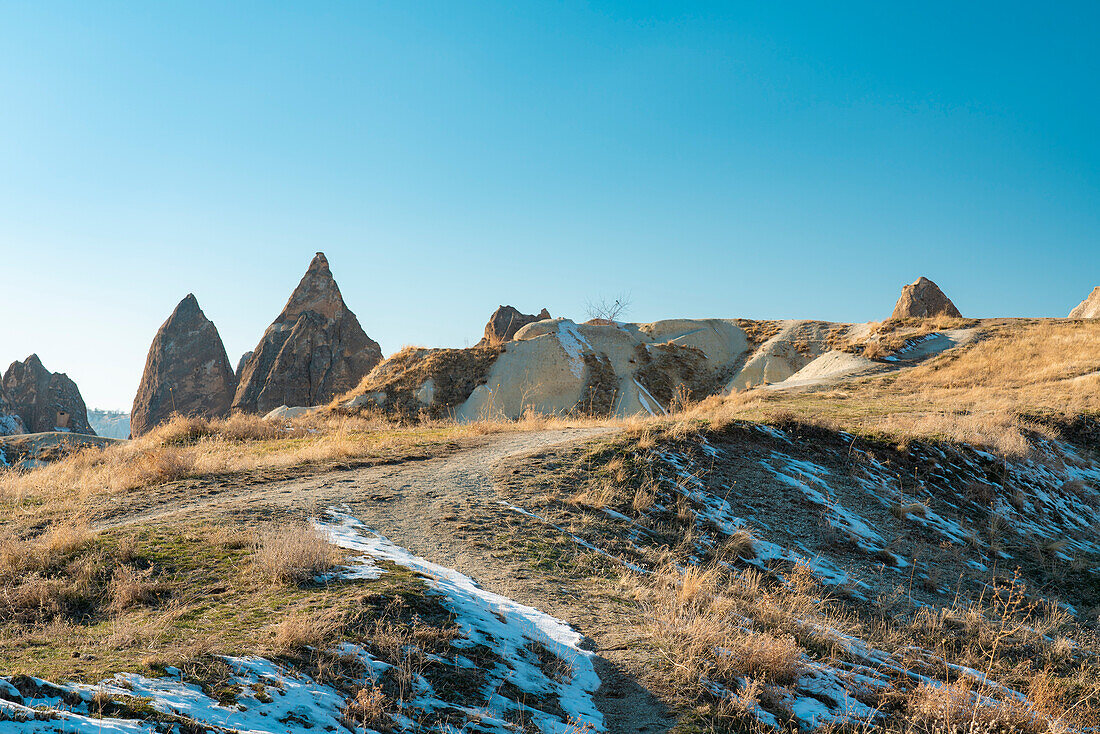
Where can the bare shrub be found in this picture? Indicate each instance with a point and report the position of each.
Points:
(681, 399)
(368, 709)
(606, 308)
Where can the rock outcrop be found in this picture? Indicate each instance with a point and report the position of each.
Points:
(314, 351)
(186, 372)
(923, 299)
(241, 363)
(10, 422)
(44, 400)
(1088, 308)
(505, 322)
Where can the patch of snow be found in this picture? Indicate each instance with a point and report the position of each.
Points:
(296, 704)
(573, 342)
(506, 626)
(644, 397)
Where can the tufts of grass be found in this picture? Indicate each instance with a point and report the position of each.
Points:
(293, 554)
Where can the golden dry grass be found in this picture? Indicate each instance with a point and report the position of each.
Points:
(984, 393)
(717, 625)
(293, 554)
(305, 629)
(80, 484)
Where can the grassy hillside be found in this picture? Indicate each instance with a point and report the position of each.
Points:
(909, 550)
(1014, 375)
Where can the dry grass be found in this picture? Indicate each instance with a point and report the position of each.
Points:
(83, 606)
(715, 625)
(758, 632)
(79, 485)
(455, 373)
(305, 630)
(131, 588)
(367, 709)
(981, 394)
(954, 707)
(293, 554)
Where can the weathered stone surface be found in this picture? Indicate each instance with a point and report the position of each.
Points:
(10, 422)
(505, 322)
(186, 372)
(44, 400)
(923, 299)
(1088, 308)
(314, 351)
(241, 363)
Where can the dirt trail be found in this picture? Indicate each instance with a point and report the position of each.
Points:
(417, 504)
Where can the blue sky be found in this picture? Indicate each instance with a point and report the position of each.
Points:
(767, 160)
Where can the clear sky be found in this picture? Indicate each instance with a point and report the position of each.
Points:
(756, 159)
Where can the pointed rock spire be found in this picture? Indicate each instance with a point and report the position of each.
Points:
(922, 299)
(186, 372)
(1088, 308)
(311, 353)
(44, 400)
(317, 291)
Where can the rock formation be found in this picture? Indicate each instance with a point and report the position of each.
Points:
(44, 400)
(505, 322)
(1088, 308)
(186, 372)
(10, 422)
(923, 299)
(314, 350)
(241, 363)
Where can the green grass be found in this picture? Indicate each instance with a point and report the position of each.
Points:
(211, 603)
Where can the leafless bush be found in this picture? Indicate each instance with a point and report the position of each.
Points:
(605, 308)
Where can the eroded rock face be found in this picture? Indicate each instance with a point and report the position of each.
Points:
(314, 351)
(1088, 308)
(10, 422)
(186, 372)
(505, 322)
(44, 400)
(241, 363)
(923, 299)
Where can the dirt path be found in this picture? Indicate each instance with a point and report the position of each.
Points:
(419, 504)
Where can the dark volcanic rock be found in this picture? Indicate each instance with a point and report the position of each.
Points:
(923, 299)
(314, 351)
(505, 322)
(44, 400)
(186, 372)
